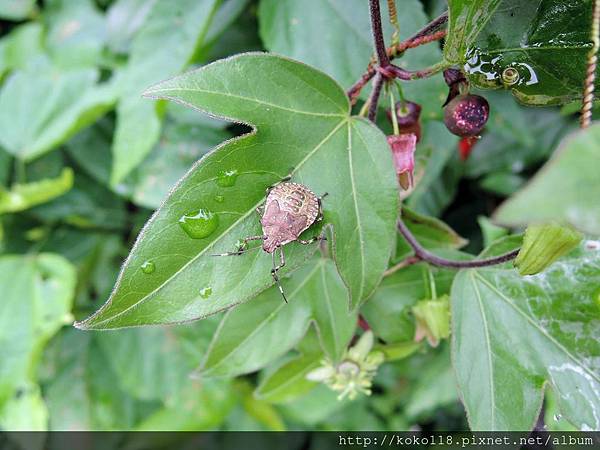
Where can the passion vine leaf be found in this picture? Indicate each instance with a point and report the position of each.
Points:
(37, 293)
(544, 43)
(42, 106)
(16, 9)
(288, 379)
(566, 189)
(294, 29)
(388, 312)
(513, 335)
(303, 128)
(164, 45)
(255, 334)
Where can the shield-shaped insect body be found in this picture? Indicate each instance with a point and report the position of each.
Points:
(289, 209)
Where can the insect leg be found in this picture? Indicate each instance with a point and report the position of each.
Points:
(275, 269)
(320, 201)
(313, 239)
(243, 246)
(283, 180)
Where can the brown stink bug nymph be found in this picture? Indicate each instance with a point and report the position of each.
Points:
(290, 208)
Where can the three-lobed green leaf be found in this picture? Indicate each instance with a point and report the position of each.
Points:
(37, 292)
(566, 189)
(512, 335)
(303, 128)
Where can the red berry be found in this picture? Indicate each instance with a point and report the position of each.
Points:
(466, 115)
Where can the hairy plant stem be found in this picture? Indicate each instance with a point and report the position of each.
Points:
(430, 33)
(377, 30)
(592, 62)
(374, 98)
(421, 254)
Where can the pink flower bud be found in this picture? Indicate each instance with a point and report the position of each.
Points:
(403, 151)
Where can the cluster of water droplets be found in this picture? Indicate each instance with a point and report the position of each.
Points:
(200, 223)
(491, 71)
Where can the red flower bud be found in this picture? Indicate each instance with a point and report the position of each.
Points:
(403, 151)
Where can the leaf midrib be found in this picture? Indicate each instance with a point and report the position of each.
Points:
(538, 328)
(489, 347)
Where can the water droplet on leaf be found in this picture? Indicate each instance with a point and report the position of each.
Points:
(557, 417)
(206, 292)
(227, 178)
(148, 267)
(199, 224)
(219, 198)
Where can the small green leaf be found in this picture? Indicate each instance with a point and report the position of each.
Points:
(156, 363)
(328, 298)
(21, 45)
(306, 132)
(397, 351)
(544, 244)
(80, 388)
(86, 205)
(256, 333)
(123, 20)
(24, 196)
(162, 47)
(545, 41)
(294, 29)
(434, 388)
(37, 293)
(199, 407)
(388, 312)
(16, 9)
(76, 32)
(288, 381)
(490, 231)
(512, 335)
(25, 411)
(565, 190)
(431, 233)
(42, 106)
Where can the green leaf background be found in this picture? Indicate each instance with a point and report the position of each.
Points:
(88, 166)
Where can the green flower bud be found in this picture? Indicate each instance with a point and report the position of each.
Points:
(361, 349)
(544, 244)
(433, 320)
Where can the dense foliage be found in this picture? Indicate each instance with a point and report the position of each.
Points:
(113, 149)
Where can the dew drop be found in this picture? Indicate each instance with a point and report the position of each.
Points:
(148, 267)
(205, 292)
(219, 198)
(227, 178)
(199, 224)
(557, 417)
